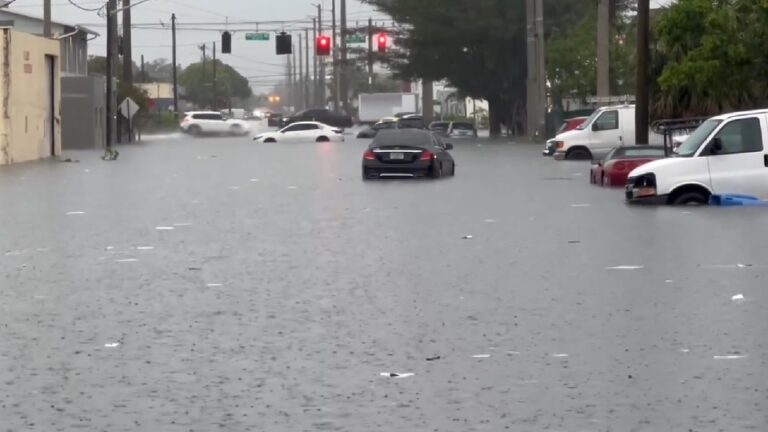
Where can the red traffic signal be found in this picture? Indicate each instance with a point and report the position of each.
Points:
(382, 40)
(323, 46)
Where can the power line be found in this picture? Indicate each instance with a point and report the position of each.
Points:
(85, 8)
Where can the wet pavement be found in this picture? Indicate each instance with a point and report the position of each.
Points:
(222, 284)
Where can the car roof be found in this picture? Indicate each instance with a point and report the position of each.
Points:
(308, 122)
(388, 119)
(727, 116)
(201, 112)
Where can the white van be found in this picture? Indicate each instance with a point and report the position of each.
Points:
(606, 128)
(725, 155)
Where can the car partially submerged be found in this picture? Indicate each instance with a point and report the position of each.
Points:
(407, 153)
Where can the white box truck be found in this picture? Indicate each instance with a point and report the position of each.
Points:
(375, 106)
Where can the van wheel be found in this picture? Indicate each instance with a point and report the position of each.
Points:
(322, 139)
(578, 153)
(690, 199)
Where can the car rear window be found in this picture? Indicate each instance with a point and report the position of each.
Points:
(463, 126)
(639, 152)
(411, 124)
(439, 125)
(402, 138)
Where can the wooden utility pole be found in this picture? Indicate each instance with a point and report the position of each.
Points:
(111, 103)
(175, 74)
(315, 91)
(321, 61)
(335, 56)
(47, 19)
(642, 110)
(427, 100)
(127, 51)
(300, 91)
(603, 51)
(536, 85)
(307, 102)
(343, 78)
(215, 84)
(370, 54)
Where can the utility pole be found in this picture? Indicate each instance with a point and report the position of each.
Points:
(203, 47)
(321, 61)
(427, 100)
(335, 53)
(315, 91)
(111, 53)
(343, 84)
(295, 78)
(536, 86)
(175, 77)
(47, 19)
(603, 51)
(370, 54)
(215, 86)
(641, 96)
(301, 74)
(127, 51)
(307, 102)
(291, 88)
(143, 77)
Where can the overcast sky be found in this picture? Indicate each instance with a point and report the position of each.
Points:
(256, 60)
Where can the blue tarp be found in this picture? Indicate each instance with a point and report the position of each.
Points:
(733, 200)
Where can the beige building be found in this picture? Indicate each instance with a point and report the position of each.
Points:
(30, 113)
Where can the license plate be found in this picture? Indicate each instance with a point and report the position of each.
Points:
(398, 156)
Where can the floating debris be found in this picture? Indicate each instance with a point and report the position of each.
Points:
(435, 358)
(396, 375)
(126, 260)
(75, 213)
(729, 357)
(165, 228)
(626, 267)
(214, 285)
(559, 355)
(581, 205)
(738, 298)
(481, 356)
(144, 248)
(112, 345)
(467, 237)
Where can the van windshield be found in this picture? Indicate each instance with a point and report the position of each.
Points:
(696, 139)
(589, 120)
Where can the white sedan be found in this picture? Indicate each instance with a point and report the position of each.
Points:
(303, 132)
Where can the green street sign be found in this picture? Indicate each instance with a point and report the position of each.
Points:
(257, 36)
(355, 39)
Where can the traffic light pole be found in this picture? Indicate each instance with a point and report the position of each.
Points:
(370, 54)
(334, 48)
(215, 86)
(300, 91)
(307, 102)
(315, 92)
(321, 61)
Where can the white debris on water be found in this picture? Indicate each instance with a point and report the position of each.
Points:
(214, 285)
(559, 355)
(75, 213)
(112, 345)
(581, 205)
(126, 260)
(396, 374)
(738, 298)
(729, 357)
(626, 267)
(481, 356)
(165, 228)
(468, 237)
(144, 248)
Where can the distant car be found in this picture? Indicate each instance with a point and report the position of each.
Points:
(440, 127)
(199, 123)
(568, 124)
(411, 121)
(404, 114)
(407, 153)
(303, 132)
(320, 115)
(462, 130)
(273, 119)
(385, 123)
(619, 162)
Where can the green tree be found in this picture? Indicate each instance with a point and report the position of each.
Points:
(197, 80)
(714, 57)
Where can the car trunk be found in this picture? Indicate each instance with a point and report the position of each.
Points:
(399, 155)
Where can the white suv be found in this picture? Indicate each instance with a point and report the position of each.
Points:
(212, 123)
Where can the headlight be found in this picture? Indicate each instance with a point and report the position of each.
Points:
(643, 185)
(559, 144)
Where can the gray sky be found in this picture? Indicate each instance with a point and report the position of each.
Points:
(256, 60)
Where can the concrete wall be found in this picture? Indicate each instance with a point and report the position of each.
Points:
(24, 97)
(83, 115)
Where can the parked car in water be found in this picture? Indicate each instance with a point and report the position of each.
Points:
(619, 162)
(462, 130)
(411, 121)
(600, 132)
(274, 119)
(440, 127)
(303, 132)
(568, 124)
(321, 115)
(199, 123)
(725, 155)
(385, 123)
(407, 153)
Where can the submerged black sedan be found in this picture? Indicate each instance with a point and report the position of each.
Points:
(407, 153)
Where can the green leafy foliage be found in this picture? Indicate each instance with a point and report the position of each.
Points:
(715, 57)
(197, 80)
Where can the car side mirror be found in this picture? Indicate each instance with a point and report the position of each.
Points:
(595, 126)
(716, 146)
(448, 146)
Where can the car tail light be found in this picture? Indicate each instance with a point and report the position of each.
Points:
(427, 155)
(369, 155)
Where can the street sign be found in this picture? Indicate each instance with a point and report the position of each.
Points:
(128, 108)
(355, 39)
(257, 36)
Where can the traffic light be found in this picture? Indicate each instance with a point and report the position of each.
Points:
(323, 46)
(226, 43)
(382, 40)
(284, 44)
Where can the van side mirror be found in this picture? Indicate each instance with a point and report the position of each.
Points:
(716, 146)
(595, 126)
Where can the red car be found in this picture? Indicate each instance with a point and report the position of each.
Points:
(619, 162)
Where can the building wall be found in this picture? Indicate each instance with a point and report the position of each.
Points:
(24, 97)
